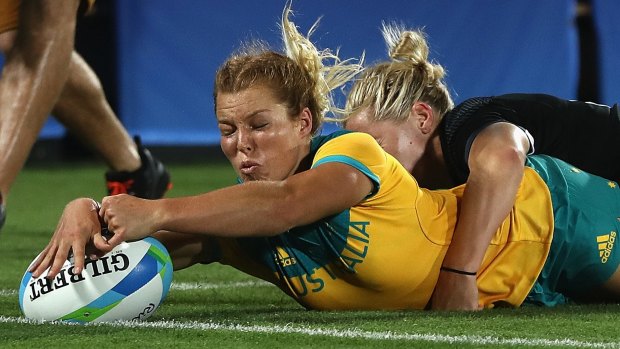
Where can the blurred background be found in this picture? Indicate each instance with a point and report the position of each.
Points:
(157, 58)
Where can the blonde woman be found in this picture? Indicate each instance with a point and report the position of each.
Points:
(405, 104)
(332, 220)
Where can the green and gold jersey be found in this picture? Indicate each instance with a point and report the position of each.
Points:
(584, 253)
(385, 252)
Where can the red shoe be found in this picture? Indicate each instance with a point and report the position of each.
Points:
(150, 181)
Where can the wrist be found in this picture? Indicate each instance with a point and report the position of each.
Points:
(458, 271)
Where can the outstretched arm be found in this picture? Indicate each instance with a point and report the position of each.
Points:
(34, 73)
(496, 163)
(262, 208)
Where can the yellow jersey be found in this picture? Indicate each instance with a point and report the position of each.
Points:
(385, 252)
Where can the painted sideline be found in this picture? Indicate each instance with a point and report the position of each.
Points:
(352, 333)
(335, 333)
(208, 286)
(183, 286)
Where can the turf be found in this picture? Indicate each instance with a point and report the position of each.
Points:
(216, 306)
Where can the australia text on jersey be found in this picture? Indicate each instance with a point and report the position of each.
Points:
(353, 254)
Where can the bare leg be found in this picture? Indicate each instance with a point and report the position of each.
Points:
(609, 292)
(35, 70)
(84, 110)
(611, 288)
(7, 39)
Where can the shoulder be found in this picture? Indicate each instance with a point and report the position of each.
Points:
(358, 150)
(342, 137)
(357, 145)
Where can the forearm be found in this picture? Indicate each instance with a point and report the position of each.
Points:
(496, 162)
(250, 209)
(256, 208)
(484, 206)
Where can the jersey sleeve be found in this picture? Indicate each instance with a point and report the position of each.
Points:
(462, 125)
(358, 150)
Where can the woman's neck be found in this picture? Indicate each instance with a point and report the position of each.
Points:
(306, 160)
(431, 171)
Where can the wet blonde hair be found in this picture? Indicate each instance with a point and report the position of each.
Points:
(298, 77)
(391, 88)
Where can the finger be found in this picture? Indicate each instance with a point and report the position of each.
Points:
(59, 260)
(101, 213)
(105, 202)
(115, 240)
(45, 262)
(102, 244)
(39, 259)
(78, 257)
(103, 207)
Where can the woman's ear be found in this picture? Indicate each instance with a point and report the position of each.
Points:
(305, 122)
(423, 116)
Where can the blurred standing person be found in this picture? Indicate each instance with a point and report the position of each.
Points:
(589, 87)
(42, 73)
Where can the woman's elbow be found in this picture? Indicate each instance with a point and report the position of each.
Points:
(499, 161)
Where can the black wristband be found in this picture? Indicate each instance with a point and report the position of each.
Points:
(456, 271)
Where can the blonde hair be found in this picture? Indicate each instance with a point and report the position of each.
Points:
(299, 78)
(391, 88)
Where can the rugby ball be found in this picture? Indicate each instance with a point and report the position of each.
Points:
(128, 283)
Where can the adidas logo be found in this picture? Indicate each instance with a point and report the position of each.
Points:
(605, 244)
(284, 259)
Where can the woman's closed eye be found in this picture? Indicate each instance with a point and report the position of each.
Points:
(259, 126)
(226, 130)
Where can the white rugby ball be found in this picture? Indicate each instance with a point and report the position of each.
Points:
(128, 283)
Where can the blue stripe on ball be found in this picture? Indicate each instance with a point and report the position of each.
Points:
(22, 289)
(144, 271)
(106, 299)
(166, 269)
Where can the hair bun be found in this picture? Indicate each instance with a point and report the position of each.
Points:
(405, 45)
(411, 48)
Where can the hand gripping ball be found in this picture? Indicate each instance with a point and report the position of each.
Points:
(128, 283)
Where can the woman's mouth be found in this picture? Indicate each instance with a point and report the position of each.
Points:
(248, 167)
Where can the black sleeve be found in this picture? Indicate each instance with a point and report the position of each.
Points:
(460, 127)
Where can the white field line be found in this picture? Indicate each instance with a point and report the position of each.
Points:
(8, 293)
(338, 333)
(182, 286)
(209, 286)
(352, 333)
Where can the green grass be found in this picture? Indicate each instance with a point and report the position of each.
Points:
(229, 309)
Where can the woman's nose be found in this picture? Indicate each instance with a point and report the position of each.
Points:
(244, 141)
